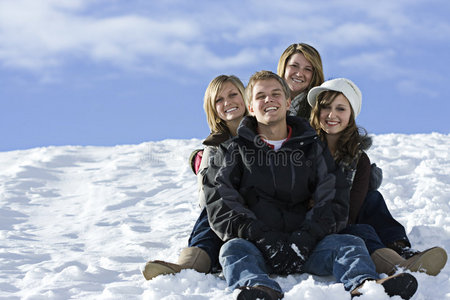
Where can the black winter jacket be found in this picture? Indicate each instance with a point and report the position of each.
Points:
(294, 189)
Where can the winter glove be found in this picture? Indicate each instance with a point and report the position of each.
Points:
(284, 254)
(253, 230)
(272, 244)
(302, 244)
(276, 252)
(376, 177)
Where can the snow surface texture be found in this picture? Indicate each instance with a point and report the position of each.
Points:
(80, 222)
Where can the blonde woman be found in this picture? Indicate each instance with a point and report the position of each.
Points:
(300, 66)
(224, 107)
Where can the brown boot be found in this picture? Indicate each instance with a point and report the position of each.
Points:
(386, 260)
(190, 258)
(158, 267)
(430, 261)
(403, 285)
(258, 292)
(194, 258)
(403, 248)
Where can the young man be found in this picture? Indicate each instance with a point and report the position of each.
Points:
(277, 201)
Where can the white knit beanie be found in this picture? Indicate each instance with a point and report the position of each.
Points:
(343, 85)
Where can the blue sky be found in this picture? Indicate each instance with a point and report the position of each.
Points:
(108, 72)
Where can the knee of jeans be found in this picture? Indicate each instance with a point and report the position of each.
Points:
(237, 245)
(348, 239)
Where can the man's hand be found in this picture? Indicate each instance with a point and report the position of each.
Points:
(280, 254)
(302, 243)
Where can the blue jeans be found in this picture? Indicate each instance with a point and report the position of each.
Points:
(374, 212)
(204, 237)
(341, 255)
(367, 234)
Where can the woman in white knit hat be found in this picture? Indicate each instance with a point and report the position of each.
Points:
(335, 105)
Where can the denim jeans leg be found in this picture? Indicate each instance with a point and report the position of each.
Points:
(243, 265)
(344, 256)
(367, 234)
(204, 237)
(376, 213)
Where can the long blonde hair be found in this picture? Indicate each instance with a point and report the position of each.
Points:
(311, 54)
(215, 123)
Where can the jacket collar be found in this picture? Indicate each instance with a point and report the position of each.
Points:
(300, 128)
(216, 138)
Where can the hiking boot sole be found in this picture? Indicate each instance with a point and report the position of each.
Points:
(403, 285)
(258, 292)
(159, 267)
(430, 261)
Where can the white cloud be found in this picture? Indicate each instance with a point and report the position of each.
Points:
(39, 35)
(35, 36)
(376, 63)
(352, 34)
(415, 87)
(380, 66)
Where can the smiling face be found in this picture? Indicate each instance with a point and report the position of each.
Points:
(229, 104)
(335, 117)
(298, 74)
(269, 104)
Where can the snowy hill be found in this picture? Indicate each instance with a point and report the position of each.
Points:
(80, 222)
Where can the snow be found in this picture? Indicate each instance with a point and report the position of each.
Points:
(80, 222)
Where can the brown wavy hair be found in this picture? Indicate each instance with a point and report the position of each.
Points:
(351, 138)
